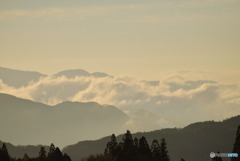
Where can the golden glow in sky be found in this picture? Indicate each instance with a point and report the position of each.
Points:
(140, 38)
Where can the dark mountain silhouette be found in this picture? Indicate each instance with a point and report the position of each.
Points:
(194, 142)
(18, 78)
(78, 72)
(29, 122)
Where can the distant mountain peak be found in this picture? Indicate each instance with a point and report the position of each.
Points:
(72, 73)
(99, 74)
(28, 119)
(8, 76)
(16, 70)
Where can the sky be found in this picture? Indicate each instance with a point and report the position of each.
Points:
(141, 38)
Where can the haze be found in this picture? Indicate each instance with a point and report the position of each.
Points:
(136, 38)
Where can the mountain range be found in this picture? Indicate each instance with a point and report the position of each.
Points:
(19, 78)
(26, 122)
(193, 142)
(19, 150)
(150, 104)
(52, 116)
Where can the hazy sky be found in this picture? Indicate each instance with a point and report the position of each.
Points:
(133, 37)
(193, 41)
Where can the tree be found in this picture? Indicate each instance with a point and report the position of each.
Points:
(55, 154)
(143, 146)
(155, 149)
(99, 157)
(66, 157)
(144, 152)
(128, 140)
(25, 157)
(127, 149)
(236, 147)
(135, 142)
(51, 151)
(4, 156)
(163, 151)
(112, 146)
(42, 152)
(58, 155)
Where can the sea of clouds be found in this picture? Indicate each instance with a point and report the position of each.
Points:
(176, 100)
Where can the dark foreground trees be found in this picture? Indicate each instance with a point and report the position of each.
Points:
(4, 156)
(54, 154)
(130, 149)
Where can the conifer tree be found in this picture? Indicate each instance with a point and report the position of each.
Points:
(143, 146)
(163, 151)
(155, 149)
(135, 142)
(127, 150)
(4, 156)
(144, 152)
(51, 153)
(58, 155)
(42, 152)
(66, 157)
(51, 149)
(25, 157)
(128, 140)
(136, 145)
(112, 146)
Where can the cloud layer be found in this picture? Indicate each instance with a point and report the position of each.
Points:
(176, 100)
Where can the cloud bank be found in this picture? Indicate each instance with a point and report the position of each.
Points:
(174, 101)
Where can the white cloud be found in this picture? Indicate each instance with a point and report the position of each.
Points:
(179, 95)
(144, 120)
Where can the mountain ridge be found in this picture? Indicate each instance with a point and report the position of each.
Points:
(34, 122)
(86, 146)
(8, 75)
(72, 73)
(193, 142)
